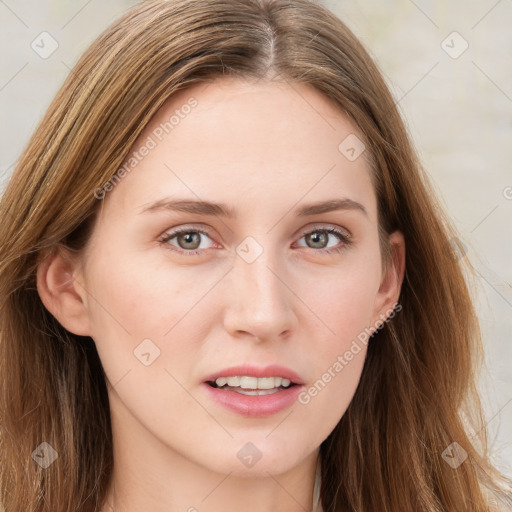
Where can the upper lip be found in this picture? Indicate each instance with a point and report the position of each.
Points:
(272, 370)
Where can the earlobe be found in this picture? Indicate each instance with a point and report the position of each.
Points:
(391, 283)
(60, 293)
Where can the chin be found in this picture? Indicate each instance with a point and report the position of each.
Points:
(257, 458)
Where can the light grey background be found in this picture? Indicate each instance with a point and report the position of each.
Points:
(458, 109)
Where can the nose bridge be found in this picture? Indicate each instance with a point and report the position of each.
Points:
(260, 301)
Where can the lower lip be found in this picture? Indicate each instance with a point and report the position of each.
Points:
(255, 406)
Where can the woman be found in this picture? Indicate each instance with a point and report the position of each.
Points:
(226, 283)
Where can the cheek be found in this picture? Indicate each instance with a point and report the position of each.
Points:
(344, 308)
(137, 300)
(342, 298)
(338, 357)
(130, 293)
(324, 401)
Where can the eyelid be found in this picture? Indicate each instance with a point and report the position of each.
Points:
(324, 226)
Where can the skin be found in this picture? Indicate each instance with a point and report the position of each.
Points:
(263, 149)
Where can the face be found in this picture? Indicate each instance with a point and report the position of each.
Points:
(176, 293)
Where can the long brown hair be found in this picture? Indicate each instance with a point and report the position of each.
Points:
(417, 393)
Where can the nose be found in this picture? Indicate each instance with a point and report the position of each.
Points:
(260, 303)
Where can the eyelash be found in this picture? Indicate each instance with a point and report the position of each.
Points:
(344, 238)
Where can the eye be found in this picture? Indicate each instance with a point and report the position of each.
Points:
(319, 239)
(188, 240)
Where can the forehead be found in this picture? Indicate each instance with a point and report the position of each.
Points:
(244, 140)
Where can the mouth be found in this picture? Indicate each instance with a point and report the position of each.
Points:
(254, 391)
(252, 386)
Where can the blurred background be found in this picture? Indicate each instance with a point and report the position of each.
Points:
(449, 67)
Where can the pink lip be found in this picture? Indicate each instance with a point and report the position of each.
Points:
(273, 370)
(255, 405)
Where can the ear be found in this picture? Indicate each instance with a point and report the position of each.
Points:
(60, 293)
(392, 279)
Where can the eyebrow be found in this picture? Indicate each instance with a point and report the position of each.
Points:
(222, 210)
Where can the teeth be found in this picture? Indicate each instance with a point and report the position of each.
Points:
(246, 382)
(233, 381)
(266, 382)
(221, 381)
(255, 391)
